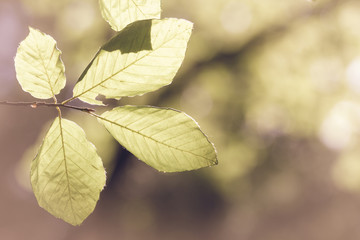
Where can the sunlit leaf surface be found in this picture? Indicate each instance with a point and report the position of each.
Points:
(67, 175)
(39, 68)
(141, 58)
(165, 139)
(120, 13)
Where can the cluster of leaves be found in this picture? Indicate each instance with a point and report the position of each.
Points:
(67, 175)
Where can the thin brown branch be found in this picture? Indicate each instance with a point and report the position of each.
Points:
(45, 104)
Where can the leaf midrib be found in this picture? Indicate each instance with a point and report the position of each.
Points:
(137, 6)
(148, 137)
(66, 169)
(45, 68)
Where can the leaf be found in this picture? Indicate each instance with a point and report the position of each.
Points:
(141, 58)
(120, 13)
(165, 139)
(38, 66)
(67, 175)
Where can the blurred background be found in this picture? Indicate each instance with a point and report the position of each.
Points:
(274, 84)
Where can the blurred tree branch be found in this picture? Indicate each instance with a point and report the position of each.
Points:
(228, 58)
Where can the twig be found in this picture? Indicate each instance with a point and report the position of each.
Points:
(45, 104)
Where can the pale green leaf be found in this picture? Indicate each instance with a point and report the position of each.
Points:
(119, 13)
(67, 175)
(165, 139)
(141, 58)
(38, 66)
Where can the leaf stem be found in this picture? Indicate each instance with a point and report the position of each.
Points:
(42, 104)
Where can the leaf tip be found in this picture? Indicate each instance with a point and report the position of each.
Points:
(34, 30)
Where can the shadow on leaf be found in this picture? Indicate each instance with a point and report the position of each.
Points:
(134, 38)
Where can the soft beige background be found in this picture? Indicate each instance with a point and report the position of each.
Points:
(275, 85)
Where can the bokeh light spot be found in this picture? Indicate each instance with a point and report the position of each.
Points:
(340, 125)
(353, 75)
